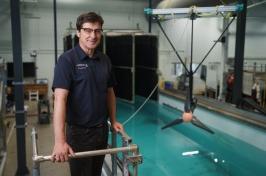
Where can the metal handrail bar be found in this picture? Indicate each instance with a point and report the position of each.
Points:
(132, 148)
(127, 147)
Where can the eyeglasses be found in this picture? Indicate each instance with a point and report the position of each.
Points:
(90, 31)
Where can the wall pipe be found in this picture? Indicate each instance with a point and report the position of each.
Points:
(18, 86)
(55, 32)
(239, 54)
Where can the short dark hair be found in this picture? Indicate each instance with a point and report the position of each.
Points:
(91, 17)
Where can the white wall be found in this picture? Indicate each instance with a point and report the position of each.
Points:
(38, 30)
(206, 31)
(179, 32)
(255, 38)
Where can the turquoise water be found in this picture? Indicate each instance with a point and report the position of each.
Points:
(219, 154)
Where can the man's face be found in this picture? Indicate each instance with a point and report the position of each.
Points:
(90, 35)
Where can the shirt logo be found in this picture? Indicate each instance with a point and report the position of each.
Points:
(81, 66)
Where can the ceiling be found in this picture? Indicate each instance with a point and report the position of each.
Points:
(255, 11)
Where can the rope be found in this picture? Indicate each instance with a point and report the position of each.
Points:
(133, 115)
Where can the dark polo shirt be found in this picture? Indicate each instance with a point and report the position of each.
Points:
(87, 80)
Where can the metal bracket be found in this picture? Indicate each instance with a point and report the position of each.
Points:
(194, 9)
(20, 112)
(21, 126)
(18, 83)
(135, 159)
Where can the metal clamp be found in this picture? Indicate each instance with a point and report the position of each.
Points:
(135, 159)
(20, 112)
(22, 126)
(18, 83)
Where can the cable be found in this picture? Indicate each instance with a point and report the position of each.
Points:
(182, 35)
(214, 44)
(222, 2)
(171, 44)
(133, 115)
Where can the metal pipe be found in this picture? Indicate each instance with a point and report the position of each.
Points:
(127, 147)
(219, 39)
(171, 44)
(18, 86)
(256, 4)
(125, 136)
(55, 31)
(190, 90)
(239, 54)
(36, 165)
(113, 156)
(150, 17)
(194, 9)
(135, 170)
(34, 142)
(131, 148)
(126, 140)
(125, 161)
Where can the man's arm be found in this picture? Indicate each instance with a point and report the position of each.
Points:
(61, 148)
(111, 104)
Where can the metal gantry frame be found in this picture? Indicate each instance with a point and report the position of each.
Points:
(185, 12)
(192, 12)
(130, 153)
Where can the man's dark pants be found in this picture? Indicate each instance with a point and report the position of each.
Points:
(85, 139)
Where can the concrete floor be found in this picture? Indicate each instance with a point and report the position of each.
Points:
(45, 145)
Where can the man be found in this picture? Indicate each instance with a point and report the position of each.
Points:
(255, 92)
(84, 98)
(230, 84)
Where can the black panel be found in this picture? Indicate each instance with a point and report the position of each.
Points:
(146, 51)
(119, 49)
(146, 80)
(146, 60)
(29, 70)
(10, 69)
(67, 42)
(76, 40)
(124, 83)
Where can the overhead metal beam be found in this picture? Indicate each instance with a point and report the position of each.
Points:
(194, 9)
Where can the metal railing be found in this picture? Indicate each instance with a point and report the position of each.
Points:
(134, 159)
(130, 153)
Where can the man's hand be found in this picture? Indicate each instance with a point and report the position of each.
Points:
(61, 152)
(117, 126)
